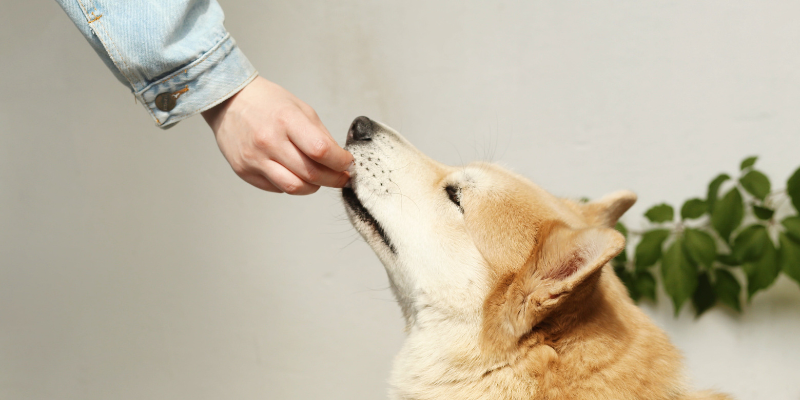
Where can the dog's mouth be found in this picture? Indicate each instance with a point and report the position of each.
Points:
(361, 212)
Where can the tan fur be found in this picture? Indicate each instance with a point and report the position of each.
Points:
(552, 321)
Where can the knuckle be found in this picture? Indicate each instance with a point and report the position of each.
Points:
(261, 141)
(285, 114)
(292, 187)
(313, 174)
(320, 148)
(248, 154)
(309, 111)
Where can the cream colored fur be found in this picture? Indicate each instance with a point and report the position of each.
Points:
(505, 288)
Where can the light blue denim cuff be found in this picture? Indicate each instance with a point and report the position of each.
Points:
(211, 79)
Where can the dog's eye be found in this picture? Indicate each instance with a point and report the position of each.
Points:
(454, 193)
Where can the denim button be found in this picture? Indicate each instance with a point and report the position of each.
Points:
(165, 101)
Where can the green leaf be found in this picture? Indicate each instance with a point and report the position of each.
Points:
(748, 162)
(713, 190)
(792, 225)
(660, 213)
(704, 296)
(750, 243)
(762, 272)
(763, 212)
(793, 189)
(728, 213)
(648, 251)
(756, 184)
(622, 229)
(790, 257)
(700, 247)
(645, 284)
(728, 289)
(621, 259)
(679, 277)
(728, 260)
(693, 208)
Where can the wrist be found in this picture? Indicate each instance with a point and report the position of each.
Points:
(213, 115)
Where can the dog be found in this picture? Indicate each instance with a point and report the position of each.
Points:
(506, 290)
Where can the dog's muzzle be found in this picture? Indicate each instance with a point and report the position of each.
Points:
(361, 131)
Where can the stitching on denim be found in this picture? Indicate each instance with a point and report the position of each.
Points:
(119, 54)
(178, 93)
(226, 95)
(219, 100)
(191, 65)
(122, 59)
(169, 78)
(164, 80)
(105, 45)
(85, 14)
(95, 18)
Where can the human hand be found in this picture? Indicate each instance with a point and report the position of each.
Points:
(276, 142)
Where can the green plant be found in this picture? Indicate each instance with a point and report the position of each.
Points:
(698, 253)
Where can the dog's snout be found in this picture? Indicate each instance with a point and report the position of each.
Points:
(361, 129)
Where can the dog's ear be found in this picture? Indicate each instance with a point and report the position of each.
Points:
(607, 210)
(562, 265)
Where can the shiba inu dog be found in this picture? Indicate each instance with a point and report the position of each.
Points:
(506, 289)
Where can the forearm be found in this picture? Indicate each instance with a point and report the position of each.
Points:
(176, 57)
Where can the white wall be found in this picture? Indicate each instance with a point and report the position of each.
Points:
(135, 265)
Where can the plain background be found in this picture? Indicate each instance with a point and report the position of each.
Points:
(136, 265)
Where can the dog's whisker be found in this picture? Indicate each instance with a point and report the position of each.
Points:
(356, 239)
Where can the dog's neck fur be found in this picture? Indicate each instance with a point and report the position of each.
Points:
(571, 356)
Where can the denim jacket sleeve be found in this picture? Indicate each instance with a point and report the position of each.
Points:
(176, 55)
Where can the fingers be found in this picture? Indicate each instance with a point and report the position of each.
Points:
(285, 180)
(316, 143)
(260, 182)
(309, 170)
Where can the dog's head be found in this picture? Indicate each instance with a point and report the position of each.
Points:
(475, 242)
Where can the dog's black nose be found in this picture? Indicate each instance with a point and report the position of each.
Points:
(360, 130)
